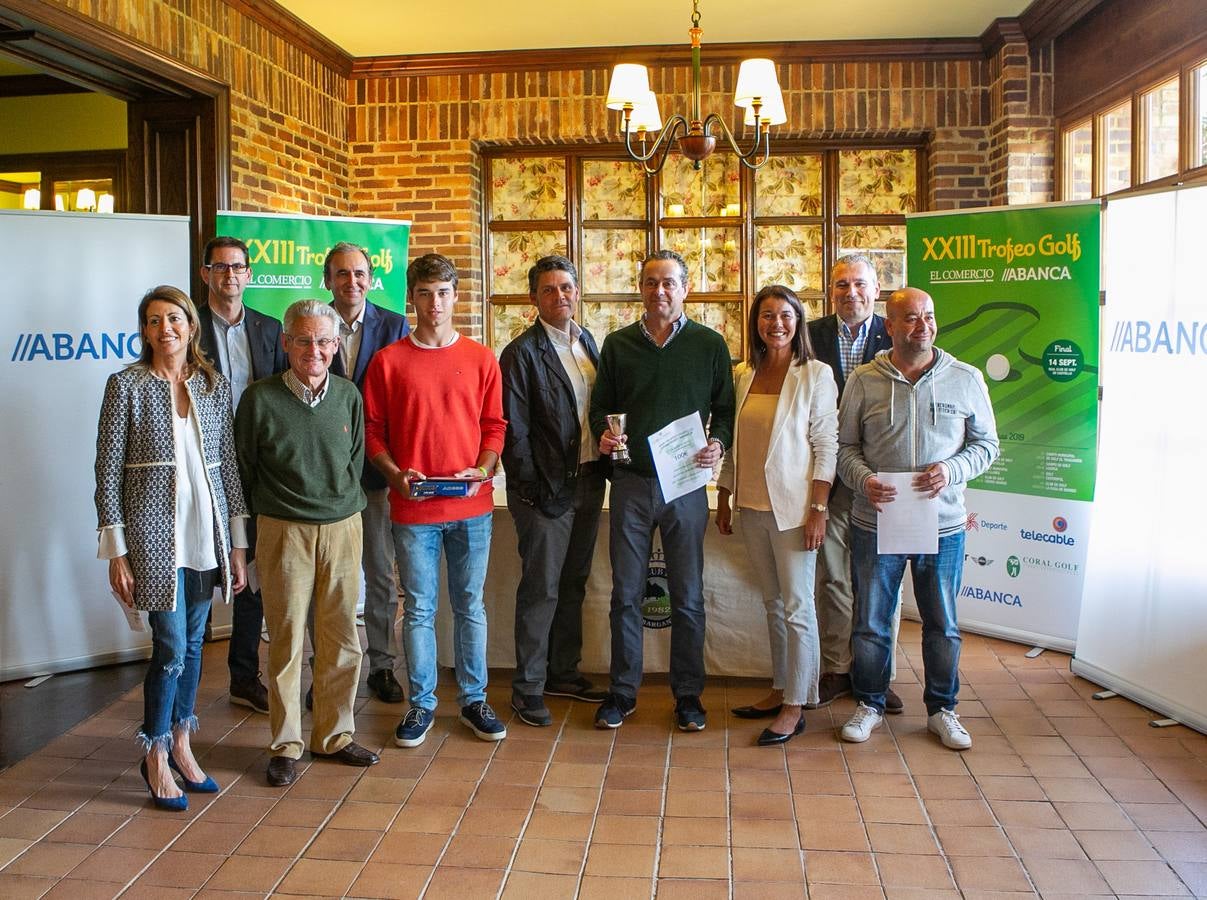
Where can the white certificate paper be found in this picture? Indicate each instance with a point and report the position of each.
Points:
(674, 449)
(910, 523)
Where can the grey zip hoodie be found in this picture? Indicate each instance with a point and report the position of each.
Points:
(887, 424)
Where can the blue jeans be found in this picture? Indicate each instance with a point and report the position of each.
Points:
(936, 578)
(466, 545)
(170, 688)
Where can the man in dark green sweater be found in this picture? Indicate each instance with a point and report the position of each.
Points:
(657, 370)
(300, 440)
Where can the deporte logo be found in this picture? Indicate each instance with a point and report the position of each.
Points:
(61, 346)
(975, 523)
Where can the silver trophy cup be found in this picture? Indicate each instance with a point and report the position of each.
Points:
(616, 425)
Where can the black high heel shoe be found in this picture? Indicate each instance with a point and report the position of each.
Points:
(172, 804)
(770, 738)
(209, 786)
(757, 712)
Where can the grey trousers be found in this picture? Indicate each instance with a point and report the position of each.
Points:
(835, 589)
(555, 560)
(381, 593)
(637, 508)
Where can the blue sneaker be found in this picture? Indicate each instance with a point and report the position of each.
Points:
(413, 728)
(483, 722)
(613, 711)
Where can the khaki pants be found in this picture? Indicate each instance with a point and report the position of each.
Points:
(301, 565)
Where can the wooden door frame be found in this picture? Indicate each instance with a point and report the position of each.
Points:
(82, 51)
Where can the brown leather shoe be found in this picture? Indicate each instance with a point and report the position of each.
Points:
(351, 755)
(892, 703)
(281, 771)
(830, 687)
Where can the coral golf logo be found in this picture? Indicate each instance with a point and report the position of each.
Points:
(1056, 536)
(1013, 566)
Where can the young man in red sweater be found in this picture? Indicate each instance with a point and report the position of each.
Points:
(434, 407)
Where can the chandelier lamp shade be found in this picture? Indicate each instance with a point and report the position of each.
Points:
(757, 93)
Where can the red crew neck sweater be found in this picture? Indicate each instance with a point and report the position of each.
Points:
(434, 409)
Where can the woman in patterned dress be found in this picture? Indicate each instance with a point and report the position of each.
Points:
(170, 508)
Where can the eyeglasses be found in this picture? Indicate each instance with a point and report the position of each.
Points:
(223, 268)
(306, 343)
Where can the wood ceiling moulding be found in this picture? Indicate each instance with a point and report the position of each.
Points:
(1046, 20)
(664, 55)
(285, 24)
(84, 52)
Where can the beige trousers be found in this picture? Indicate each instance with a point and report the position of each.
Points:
(301, 565)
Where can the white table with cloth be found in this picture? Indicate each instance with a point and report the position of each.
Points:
(736, 639)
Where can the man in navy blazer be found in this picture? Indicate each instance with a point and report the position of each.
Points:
(364, 329)
(245, 346)
(844, 341)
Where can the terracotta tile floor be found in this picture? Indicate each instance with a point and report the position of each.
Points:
(1060, 796)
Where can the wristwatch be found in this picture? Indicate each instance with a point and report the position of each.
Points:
(818, 507)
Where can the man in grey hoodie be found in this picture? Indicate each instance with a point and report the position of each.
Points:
(915, 409)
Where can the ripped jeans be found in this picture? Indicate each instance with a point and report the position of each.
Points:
(170, 688)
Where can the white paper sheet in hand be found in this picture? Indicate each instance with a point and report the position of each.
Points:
(134, 618)
(910, 523)
(674, 448)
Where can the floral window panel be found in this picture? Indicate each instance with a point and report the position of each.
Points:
(877, 182)
(727, 318)
(613, 189)
(715, 190)
(788, 186)
(713, 256)
(527, 188)
(508, 321)
(603, 317)
(611, 259)
(790, 255)
(884, 245)
(512, 254)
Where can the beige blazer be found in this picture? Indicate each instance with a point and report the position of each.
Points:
(804, 439)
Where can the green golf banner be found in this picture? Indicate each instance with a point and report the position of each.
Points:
(1016, 295)
(287, 252)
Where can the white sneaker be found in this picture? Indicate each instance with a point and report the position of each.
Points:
(859, 728)
(946, 724)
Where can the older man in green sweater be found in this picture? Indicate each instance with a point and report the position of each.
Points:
(300, 440)
(657, 370)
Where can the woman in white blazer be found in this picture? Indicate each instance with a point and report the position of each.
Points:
(778, 474)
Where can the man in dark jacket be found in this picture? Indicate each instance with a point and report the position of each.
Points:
(844, 341)
(364, 329)
(245, 346)
(555, 488)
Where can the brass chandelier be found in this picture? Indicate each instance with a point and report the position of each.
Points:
(758, 92)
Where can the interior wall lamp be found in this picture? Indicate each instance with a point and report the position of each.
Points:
(758, 93)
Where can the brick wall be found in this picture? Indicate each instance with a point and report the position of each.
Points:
(288, 109)
(414, 139)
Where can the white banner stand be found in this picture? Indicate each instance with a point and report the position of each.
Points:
(70, 285)
(1143, 629)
